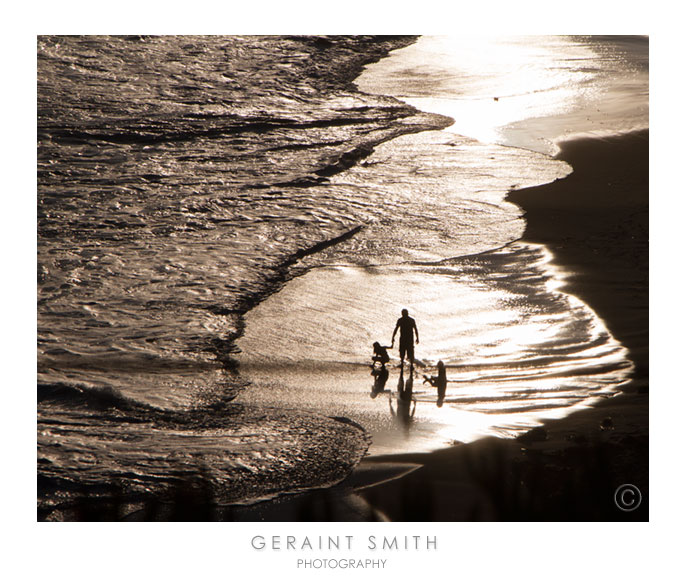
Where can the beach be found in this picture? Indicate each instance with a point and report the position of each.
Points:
(595, 222)
(214, 266)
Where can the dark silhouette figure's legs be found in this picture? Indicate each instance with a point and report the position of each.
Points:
(410, 358)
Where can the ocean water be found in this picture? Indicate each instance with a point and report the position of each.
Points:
(225, 225)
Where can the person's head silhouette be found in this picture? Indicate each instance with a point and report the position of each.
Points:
(404, 312)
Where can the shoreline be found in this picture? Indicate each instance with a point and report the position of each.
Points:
(594, 221)
(606, 196)
(500, 479)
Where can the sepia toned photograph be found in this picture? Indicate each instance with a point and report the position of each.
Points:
(342, 278)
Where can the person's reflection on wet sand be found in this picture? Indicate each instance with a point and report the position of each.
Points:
(380, 373)
(402, 412)
(379, 369)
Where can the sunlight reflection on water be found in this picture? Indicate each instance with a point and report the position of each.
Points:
(490, 84)
(516, 350)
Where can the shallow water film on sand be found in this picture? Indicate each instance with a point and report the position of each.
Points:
(226, 224)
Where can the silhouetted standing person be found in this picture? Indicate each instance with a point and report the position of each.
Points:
(408, 328)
